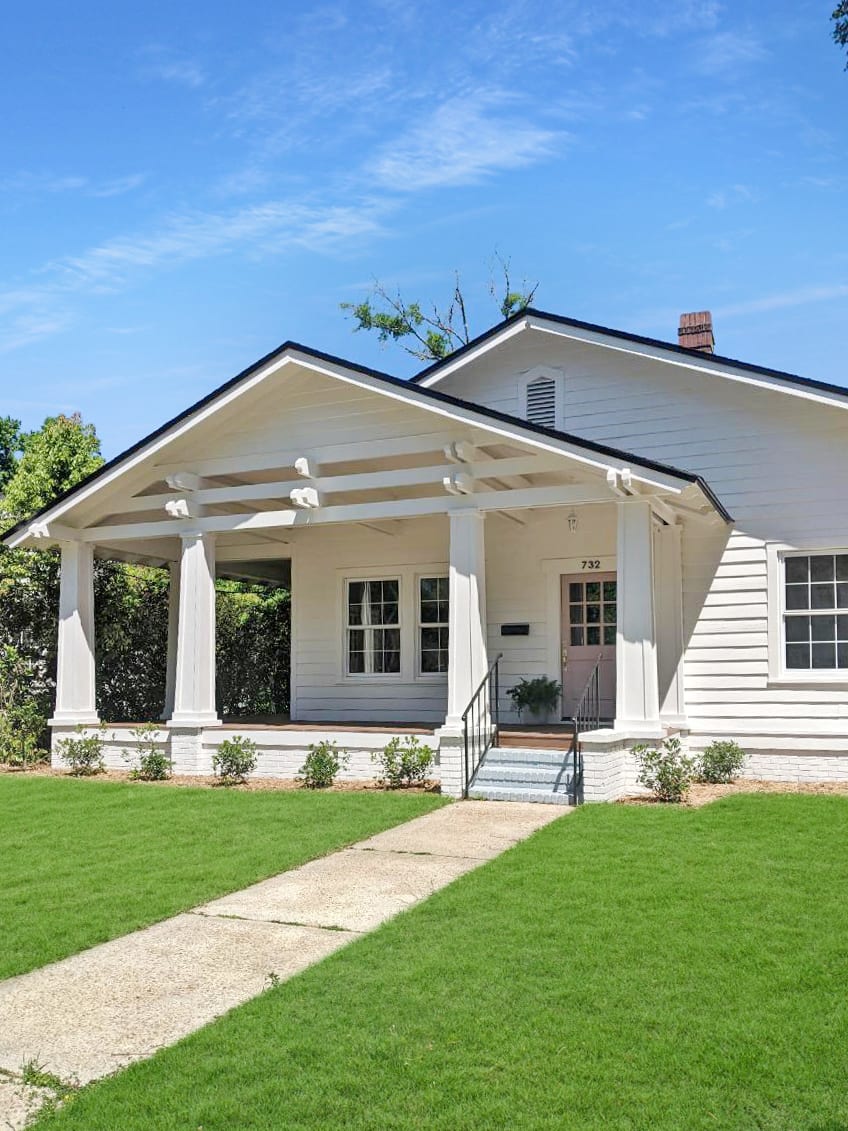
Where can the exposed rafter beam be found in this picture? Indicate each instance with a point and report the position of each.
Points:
(362, 481)
(358, 512)
(337, 453)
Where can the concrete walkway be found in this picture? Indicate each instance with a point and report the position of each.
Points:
(98, 1011)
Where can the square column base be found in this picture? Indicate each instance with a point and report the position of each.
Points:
(191, 721)
(640, 728)
(75, 719)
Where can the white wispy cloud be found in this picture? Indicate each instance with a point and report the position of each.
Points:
(725, 52)
(31, 183)
(461, 142)
(800, 296)
(167, 65)
(735, 194)
(36, 311)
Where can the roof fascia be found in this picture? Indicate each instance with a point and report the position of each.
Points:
(700, 363)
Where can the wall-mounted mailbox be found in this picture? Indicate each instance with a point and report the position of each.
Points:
(515, 630)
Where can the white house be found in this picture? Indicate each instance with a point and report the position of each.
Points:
(663, 530)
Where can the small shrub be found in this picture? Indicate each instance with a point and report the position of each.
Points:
(403, 762)
(322, 764)
(234, 759)
(665, 770)
(153, 762)
(540, 695)
(84, 755)
(721, 762)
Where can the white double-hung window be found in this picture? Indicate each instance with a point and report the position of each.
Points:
(373, 627)
(815, 612)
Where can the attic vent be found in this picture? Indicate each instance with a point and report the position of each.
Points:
(541, 402)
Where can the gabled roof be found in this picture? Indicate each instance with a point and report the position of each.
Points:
(474, 414)
(726, 366)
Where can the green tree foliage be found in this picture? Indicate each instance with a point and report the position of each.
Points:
(435, 332)
(840, 25)
(10, 446)
(131, 602)
(253, 649)
(56, 457)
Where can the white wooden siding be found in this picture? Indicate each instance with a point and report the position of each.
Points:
(521, 567)
(779, 465)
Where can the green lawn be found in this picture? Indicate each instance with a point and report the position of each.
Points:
(628, 967)
(85, 861)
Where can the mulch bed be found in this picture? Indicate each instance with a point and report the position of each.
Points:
(702, 793)
(203, 781)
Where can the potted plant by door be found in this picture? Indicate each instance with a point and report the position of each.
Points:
(536, 698)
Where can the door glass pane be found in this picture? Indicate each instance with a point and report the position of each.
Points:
(842, 596)
(593, 634)
(593, 614)
(575, 591)
(576, 614)
(842, 655)
(576, 637)
(609, 591)
(593, 590)
(842, 567)
(609, 634)
(609, 614)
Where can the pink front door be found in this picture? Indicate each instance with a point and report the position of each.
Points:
(589, 614)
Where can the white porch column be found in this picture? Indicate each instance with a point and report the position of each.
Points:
(637, 699)
(668, 585)
(194, 682)
(75, 688)
(467, 614)
(173, 631)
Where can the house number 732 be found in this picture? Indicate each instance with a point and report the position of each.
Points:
(591, 563)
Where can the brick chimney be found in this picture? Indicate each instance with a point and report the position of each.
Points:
(696, 331)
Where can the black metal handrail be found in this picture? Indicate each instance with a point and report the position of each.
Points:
(481, 723)
(587, 716)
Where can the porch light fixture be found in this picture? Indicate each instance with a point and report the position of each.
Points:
(572, 522)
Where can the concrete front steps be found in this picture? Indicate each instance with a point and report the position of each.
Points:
(524, 774)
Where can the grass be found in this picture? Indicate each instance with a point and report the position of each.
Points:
(626, 968)
(86, 861)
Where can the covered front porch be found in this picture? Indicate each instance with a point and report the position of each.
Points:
(498, 574)
(421, 539)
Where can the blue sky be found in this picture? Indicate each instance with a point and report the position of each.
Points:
(185, 185)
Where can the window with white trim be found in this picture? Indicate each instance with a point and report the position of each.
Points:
(815, 612)
(372, 629)
(433, 625)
